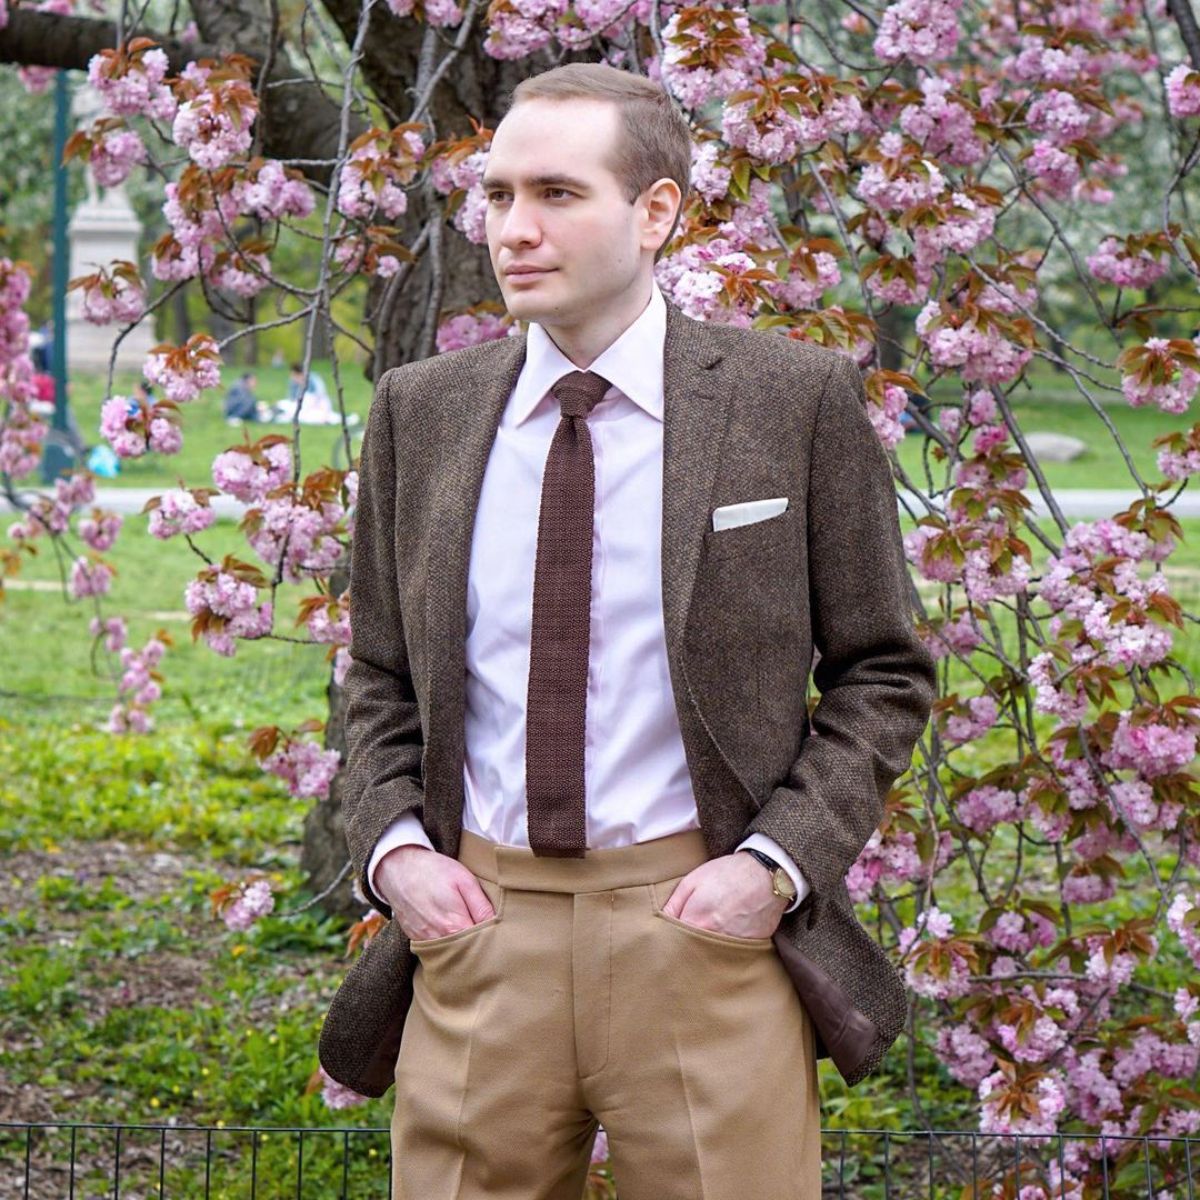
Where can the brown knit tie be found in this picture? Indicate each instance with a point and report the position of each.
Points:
(558, 650)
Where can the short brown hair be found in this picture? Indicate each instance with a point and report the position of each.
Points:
(654, 139)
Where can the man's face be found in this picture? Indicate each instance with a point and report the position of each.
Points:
(580, 230)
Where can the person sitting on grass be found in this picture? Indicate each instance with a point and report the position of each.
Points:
(240, 402)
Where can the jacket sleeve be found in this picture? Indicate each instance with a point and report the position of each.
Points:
(876, 678)
(384, 740)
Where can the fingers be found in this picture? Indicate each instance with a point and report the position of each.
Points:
(435, 895)
(679, 897)
(476, 899)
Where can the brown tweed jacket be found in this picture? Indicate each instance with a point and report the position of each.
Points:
(747, 415)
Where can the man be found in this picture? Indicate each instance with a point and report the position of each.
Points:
(241, 403)
(590, 567)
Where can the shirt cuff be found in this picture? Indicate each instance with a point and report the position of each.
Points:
(406, 830)
(771, 848)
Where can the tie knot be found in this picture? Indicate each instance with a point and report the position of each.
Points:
(579, 392)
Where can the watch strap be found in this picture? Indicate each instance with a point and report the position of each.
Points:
(766, 860)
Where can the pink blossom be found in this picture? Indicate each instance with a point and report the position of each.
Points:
(381, 163)
(1151, 748)
(114, 155)
(960, 636)
(923, 31)
(334, 1094)
(241, 272)
(1113, 263)
(184, 371)
(270, 190)
(1173, 394)
(943, 125)
(89, 577)
(99, 531)
(250, 472)
(710, 176)
(341, 664)
(1042, 1040)
(1183, 91)
(304, 767)
(1042, 63)
(254, 901)
(986, 806)
(600, 1146)
(743, 57)
(330, 622)
(471, 328)
(126, 306)
(1184, 928)
(899, 180)
(964, 225)
(301, 535)
(1048, 1096)
(132, 427)
(1061, 695)
(1177, 466)
(1055, 170)
(179, 511)
(131, 83)
(964, 1054)
(112, 629)
(952, 977)
(980, 715)
(885, 417)
(981, 354)
(229, 607)
(216, 126)
(1059, 117)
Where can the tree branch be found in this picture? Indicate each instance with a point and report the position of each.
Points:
(300, 121)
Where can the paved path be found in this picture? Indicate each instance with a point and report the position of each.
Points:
(1087, 503)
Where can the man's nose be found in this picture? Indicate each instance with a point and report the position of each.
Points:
(520, 225)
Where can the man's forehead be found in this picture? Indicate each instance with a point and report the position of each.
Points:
(498, 177)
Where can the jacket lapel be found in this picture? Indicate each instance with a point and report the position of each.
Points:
(695, 412)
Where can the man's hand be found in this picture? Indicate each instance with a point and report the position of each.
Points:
(431, 894)
(731, 894)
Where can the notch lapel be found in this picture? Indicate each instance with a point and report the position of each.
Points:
(695, 415)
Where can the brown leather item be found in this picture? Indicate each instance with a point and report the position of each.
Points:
(556, 709)
(746, 414)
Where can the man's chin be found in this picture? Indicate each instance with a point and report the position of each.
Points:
(530, 308)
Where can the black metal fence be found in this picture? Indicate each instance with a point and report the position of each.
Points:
(85, 1161)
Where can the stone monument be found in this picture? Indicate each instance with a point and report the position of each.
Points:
(103, 229)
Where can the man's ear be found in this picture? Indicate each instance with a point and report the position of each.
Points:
(661, 201)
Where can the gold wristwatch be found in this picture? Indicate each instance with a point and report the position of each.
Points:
(781, 881)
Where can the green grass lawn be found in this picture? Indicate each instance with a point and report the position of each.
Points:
(205, 431)
(55, 668)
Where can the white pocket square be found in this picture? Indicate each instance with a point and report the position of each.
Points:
(729, 515)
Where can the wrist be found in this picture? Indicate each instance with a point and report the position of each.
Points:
(397, 852)
(782, 886)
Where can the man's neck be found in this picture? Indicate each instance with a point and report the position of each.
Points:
(582, 344)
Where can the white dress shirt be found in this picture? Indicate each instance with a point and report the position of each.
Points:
(637, 785)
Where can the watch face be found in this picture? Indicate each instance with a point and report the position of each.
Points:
(784, 885)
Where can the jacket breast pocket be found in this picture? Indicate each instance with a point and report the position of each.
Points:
(770, 535)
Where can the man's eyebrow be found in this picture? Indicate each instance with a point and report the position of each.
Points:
(551, 180)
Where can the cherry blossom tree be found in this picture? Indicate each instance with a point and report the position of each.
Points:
(912, 184)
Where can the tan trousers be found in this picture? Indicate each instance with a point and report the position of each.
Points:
(579, 1002)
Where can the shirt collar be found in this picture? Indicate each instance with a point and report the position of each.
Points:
(633, 363)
